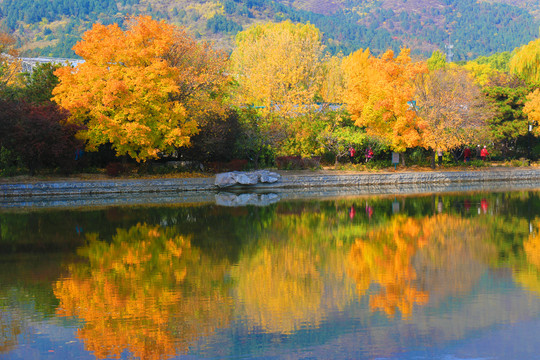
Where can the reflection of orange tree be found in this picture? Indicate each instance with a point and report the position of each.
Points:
(131, 296)
(447, 248)
(385, 258)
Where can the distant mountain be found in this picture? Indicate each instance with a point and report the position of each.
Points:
(473, 28)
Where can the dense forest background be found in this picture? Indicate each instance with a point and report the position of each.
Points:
(474, 28)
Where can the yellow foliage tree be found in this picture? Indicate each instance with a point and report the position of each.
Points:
(526, 62)
(532, 109)
(10, 64)
(454, 109)
(278, 66)
(333, 84)
(378, 94)
(127, 92)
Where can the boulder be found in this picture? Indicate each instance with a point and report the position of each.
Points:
(246, 178)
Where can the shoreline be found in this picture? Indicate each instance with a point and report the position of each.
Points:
(293, 185)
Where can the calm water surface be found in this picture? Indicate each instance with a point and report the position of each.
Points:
(432, 277)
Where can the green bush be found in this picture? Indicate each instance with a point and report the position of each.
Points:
(379, 164)
(9, 163)
(477, 163)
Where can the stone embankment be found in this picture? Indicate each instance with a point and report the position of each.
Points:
(290, 185)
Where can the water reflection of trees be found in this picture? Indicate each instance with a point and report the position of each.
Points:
(155, 290)
(148, 291)
(419, 260)
(529, 274)
(294, 274)
(11, 326)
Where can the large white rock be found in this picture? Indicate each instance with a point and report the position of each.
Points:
(245, 178)
(266, 176)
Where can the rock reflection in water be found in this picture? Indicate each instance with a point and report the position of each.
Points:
(231, 199)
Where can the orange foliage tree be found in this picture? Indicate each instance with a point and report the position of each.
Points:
(136, 87)
(378, 93)
(136, 293)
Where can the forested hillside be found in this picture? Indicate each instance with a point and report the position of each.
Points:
(51, 27)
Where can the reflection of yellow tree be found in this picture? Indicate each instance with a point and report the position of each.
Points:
(286, 286)
(447, 248)
(281, 289)
(532, 247)
(130, 294)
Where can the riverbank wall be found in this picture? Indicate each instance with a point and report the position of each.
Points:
(292, 185)
(294, 180)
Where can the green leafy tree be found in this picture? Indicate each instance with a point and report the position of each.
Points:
(38, 85)
(437, 60)
(509, 122)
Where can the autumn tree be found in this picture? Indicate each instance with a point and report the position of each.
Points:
(277, 69)
(10, 64)
(136, 88)
(278, 66)
(454, 109)
(378, 94)
(526, 62)
(201, 79)
(489, 69)
(333, 80)
(532, 109)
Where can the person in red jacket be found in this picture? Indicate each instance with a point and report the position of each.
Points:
(484, 153)
(467, 154)
(352, 154)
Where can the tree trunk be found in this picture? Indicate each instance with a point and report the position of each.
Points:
(433, 159)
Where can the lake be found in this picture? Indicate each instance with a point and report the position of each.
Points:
(450, 276)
